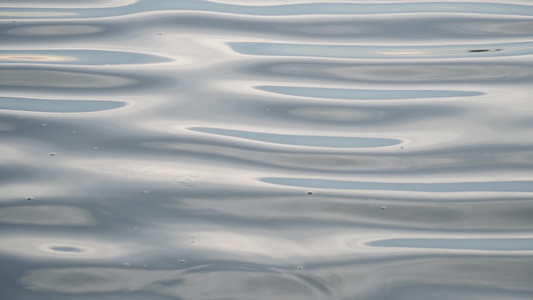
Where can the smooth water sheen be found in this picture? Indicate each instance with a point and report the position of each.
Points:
(239, 149)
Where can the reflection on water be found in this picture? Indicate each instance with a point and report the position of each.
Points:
(384, 52)
(56, 105)
(492, 186)
(227, 149)
(329, 93)
(467, 244)
(77, 57)
(302, 140)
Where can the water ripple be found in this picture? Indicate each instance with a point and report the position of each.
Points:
(302, 140)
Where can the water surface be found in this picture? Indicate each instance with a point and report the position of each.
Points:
(234, 149)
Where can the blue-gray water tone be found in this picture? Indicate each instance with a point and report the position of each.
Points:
(276, 149)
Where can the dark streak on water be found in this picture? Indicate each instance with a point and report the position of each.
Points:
(233, 149)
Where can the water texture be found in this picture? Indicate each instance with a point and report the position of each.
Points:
(232, 149)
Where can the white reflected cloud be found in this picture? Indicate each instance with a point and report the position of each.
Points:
(69, 4)
(60, 79)
(40, 247)
(36, 14)
(48, 30)
(46, 215)
(35, 58)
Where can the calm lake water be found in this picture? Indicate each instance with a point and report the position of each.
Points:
(231, 149)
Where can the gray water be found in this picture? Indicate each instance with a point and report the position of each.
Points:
(231, 149)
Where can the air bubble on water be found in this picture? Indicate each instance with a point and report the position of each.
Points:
(310, 193)
(29, 198)
(126, 265)
(299, 268)
(182, 261)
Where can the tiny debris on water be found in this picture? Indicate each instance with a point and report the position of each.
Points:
(182, 261)
(52, 154)
(310, 193)
(29, 198)
(299, 268)
(126, 265)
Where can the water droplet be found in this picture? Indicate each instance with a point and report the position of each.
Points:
(182, 261)
(29, 198)
(52, 154)
(310, 193)
(299, 268)
(383, 207)
(126, 265)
